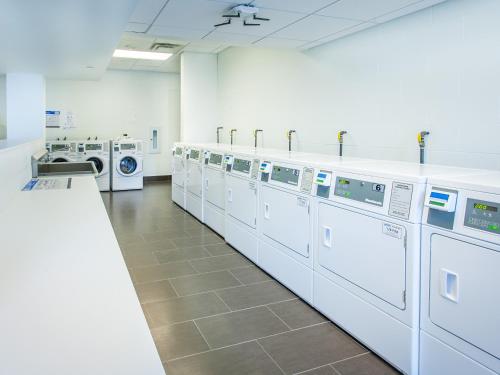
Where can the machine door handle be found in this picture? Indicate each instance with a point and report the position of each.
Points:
(327, 236)
(229, 195)
(206, 184)
(449, 284)
(266, 211)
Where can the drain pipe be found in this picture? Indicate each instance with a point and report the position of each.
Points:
(421, 143)
(232, 135)
(289, 135)
(219, 128)
(340, 137)
(255, 132)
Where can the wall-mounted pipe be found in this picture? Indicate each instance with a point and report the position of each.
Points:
(219, 128)
(289, 136)
(340, 138)
(421, 144)
(255, 132)
(231, 133)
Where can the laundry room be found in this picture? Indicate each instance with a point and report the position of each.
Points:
(214, 187)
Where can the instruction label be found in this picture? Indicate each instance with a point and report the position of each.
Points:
(401, 200)
(392, 230)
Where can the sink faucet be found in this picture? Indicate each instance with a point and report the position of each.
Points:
(255, 132)
(289, 135)
(219, 128)
(232, 135)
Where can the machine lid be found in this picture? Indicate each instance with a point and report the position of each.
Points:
(128, 165)
(99, 165)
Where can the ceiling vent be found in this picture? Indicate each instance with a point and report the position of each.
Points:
(246, 12)
(165, 47)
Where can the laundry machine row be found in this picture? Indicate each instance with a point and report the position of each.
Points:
(344, 235)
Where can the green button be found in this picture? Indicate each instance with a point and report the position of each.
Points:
(440, 204)
(493, 227)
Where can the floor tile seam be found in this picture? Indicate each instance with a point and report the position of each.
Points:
(174, 289)
(232, 274)
(332, 364)
(270, 357)
(276, 315)
(174, 261)
(224, 302)
(202, 335)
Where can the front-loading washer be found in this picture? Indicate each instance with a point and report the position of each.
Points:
(127, 164)
(98, 153)
(194, 182)
(460, 323)
(62, 151)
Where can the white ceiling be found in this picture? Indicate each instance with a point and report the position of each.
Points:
(294, 23)
(61, 39)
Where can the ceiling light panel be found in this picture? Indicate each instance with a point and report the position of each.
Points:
(142, 55)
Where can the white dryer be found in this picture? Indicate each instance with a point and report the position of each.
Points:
(62, 151)
(214, 203)
(194, 182)
(242, 191)
(98, 153)
(460, 319)
(127, 164)
(285, 230)
(179, 155)
(367, 255)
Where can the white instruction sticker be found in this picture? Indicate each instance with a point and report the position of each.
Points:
(392, 230)
(302, 202)
(401, 200)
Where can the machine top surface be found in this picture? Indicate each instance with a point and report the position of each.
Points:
(486, 183)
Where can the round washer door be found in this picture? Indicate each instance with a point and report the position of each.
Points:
(127, 166)
(99, 165)
(60, 160)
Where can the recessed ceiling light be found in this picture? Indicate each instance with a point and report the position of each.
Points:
(143, 55)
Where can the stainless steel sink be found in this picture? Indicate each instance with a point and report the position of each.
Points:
(67, 169)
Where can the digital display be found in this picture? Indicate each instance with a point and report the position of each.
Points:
(241, 165)
(178, 150)
(93, 147)
(215, 159)
(194, 154)
(485, 207)
(285, 175)
(343, 181)
(127, 146)
(61, 147)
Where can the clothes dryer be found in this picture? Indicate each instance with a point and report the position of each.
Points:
(127, 163)
(460, 323)
(98, 153)
(194, 182)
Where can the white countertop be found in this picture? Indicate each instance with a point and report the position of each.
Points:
(67, 304)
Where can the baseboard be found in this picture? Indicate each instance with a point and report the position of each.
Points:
(148, 179)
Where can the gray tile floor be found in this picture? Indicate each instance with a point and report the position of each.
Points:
(210, 310)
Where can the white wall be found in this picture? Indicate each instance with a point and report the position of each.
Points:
(3, 110)
(25, 106)
(198, 97)
(121, 102)
(438, 69)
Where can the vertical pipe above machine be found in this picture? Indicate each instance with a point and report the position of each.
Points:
(219, 128)
(421, 144)
(289, 136)
(255, 132)
(340, 138)
(231, 133)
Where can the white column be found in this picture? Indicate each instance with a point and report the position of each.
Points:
(25, 106)
(198, 97)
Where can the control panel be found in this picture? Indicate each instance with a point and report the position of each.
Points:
(92, 147)
(228, 161)
(215, 159)
(242, 165)
(359, 190)
(60, 147)
(265, 170)
(194, 154)
(482, 215)
(323, 181)
(441, 200)
(127, 146)
(289, 176)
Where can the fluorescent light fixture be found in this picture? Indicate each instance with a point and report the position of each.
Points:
(142, 55)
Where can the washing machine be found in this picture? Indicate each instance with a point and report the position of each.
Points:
(62, 151)
(127, 164)
(242, 191)
(214, 202)
(367, 255)
(98, 153)
(194, 181)
(460, 319)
